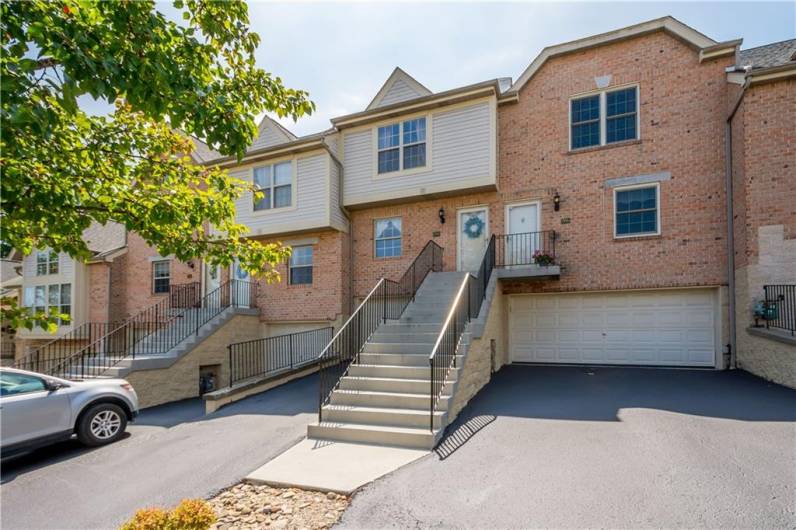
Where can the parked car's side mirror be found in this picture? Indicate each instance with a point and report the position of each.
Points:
(53, 385)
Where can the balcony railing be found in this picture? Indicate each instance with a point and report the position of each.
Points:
(48, 356)
(781, 307)
(529, 248)
(272, 355)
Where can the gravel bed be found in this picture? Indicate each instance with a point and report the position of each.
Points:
(251, 506)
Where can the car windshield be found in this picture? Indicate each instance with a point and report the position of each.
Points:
(12, 384)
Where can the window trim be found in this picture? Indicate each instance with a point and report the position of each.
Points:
(48, 262)
(375, 146)
(154, 264)
(311, 266)
(603, 93)
(657, 186)
(293, 185)
(47, 307)
(375, 238)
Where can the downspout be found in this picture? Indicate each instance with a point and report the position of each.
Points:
(728, 168)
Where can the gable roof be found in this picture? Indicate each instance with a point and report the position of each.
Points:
(669, 24)
(399, 87)
(201, 151)
(270, 133)
(769, 55)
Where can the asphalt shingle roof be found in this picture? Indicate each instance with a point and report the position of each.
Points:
(775, 54)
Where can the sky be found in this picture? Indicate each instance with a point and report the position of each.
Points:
(342, 53)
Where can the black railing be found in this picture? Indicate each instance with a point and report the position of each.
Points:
(272, 355)
(51, 354)
(466, 306)
(530, 248)
(781, 307)
(387, 300)
(155, 331)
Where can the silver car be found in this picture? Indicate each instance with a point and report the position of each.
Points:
(38, 410)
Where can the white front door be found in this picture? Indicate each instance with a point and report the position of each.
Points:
(522, 238)
(212, 277)
(241, 292)
(674, 327)
(473, 237)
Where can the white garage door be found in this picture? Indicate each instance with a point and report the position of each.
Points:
(668, 328)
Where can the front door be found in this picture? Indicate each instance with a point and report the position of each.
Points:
(212, 278)
(522, 238)
(241, 288)
(473, 237)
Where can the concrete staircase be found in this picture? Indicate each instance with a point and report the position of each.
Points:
(159, 349)
(384, 398)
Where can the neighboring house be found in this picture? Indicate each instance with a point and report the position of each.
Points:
(10, 286)
(123, 276)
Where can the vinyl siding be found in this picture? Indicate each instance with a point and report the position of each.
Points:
(311, 200)
(399, 91)
(462, 146)
(337, 218)
(269, 136)
(68, 272)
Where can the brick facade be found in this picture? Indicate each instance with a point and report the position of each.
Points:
(326, 299)
(131, 278)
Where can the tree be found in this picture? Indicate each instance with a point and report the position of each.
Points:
(63, 169)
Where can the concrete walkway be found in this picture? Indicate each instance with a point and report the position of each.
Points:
(332, 466)
(557, 447)
(172, 452)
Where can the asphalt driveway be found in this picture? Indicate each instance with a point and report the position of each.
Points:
(172, 452)
(561, 447)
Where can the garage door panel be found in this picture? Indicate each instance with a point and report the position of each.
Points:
(644, 327)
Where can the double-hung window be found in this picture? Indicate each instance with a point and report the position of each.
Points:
(161, 276)
(301, 265)
(388, 238)
(636, 211)
(275, 183)
(53, 298)
(604, 118)
(46, 262)
(402, 146)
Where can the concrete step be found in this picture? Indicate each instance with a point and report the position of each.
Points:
(417, 438)
(435, 320)
(391, 371)
(405, 338)
(372, 398)
(396, 326)
(385, 384)
(398, 347)
(399, 359)
(370, 415)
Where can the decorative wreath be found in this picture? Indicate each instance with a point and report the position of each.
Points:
(474, 227)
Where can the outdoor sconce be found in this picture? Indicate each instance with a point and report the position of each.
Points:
(441, 214)
(556, 201)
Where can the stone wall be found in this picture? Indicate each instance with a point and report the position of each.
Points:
(181, 380)
(775, 264)
(478, 363)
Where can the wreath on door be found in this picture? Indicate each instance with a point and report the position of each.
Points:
(474, 227)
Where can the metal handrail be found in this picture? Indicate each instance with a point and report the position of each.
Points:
(526, 248)
(126, 341)
(387, 300)
(442, 358)
(275, 354)
(781, 307)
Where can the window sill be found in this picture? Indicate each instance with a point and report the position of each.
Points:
(639, 237)
(601, 147)
(387, 258)
(299, 286)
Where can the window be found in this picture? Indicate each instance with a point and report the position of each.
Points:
(46, 262)
(161, 276)
(12, 384)
(54, 298)
(604, 118)
(402, 146)
(275, 182)
(388, 238)
(636, 211)
(301, 266)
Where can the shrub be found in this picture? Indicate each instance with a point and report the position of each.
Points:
(540, 257)
(190, 514)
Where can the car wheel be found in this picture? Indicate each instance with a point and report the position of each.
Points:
(102, 424)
